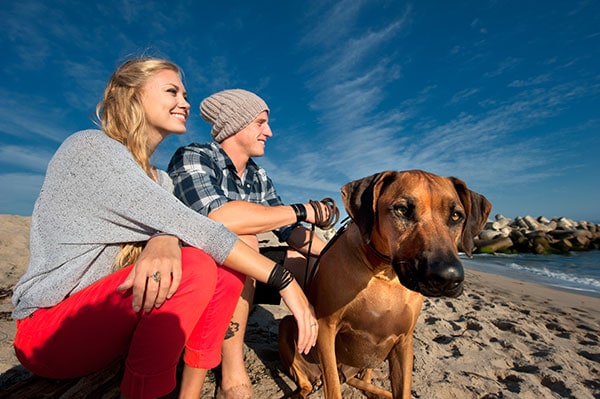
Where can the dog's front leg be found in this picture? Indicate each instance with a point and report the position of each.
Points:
(401, 364)
(327, 358)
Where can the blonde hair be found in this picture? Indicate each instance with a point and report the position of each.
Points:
(121, 116)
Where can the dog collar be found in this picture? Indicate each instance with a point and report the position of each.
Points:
(381, 257)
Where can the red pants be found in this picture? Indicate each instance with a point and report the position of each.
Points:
(95, 326)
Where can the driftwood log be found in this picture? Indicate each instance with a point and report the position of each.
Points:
(102, 385)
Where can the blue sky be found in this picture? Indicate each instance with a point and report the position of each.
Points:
(502, 94)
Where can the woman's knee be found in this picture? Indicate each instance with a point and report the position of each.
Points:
(230, 281)
(199, 270)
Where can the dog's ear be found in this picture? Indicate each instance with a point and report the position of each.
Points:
(477, 208)
(360, 200)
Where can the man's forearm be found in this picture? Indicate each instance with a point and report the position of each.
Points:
(244, 218)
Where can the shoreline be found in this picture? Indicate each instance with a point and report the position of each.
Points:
(556, 287)
(555, 274)
(558, 296)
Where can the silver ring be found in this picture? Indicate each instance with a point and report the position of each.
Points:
(156, 276)
(313, 324)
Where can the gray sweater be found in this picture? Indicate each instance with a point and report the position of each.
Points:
(95, 197)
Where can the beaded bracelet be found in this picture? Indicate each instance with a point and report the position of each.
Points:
(280, 277)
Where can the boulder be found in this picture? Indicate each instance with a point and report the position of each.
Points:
(537, 235)
(494, 245)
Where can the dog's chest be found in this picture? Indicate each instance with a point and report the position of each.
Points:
(374, 322)
(382, 310)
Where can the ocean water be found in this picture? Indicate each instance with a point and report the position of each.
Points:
(578, 272)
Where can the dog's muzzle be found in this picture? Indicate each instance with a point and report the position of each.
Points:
(433, 279)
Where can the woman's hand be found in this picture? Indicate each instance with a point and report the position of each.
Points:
(156, 275)
(308, 328)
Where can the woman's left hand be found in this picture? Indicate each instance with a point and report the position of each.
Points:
(156, 275)
(297, 303)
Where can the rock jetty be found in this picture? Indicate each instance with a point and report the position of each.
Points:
(537, 235)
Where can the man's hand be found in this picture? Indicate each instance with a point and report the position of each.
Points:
(323, 214)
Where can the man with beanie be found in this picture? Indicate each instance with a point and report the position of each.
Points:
(220, 180)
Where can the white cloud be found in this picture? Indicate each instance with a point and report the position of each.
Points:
(534, 81)
(504, 66)
(34, 159)
(335, 22)
(463, 95)
(25, 117)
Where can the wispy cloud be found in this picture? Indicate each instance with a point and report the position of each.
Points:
(386, 86)
(31, 45)
(34, 159)
(504, 66)
(477, 24)
(350, 84)
(351, 72)
(85, 77)
(335, 25)
(463, 95)
(19, 189)
(26, 117)
(534, 81)
(477, 147)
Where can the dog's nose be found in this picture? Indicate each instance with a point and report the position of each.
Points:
(443, 280)
(451, 278)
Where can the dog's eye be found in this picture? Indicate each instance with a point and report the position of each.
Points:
(402, 210)
(456, 217)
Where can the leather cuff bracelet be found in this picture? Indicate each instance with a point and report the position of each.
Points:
(300, 211)
(280, 277)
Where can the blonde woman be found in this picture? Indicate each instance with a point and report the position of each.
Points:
(118, 266)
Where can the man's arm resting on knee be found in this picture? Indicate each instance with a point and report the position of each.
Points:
(243, 218)
(248, 218)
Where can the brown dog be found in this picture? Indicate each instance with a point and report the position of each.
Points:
(369, 286)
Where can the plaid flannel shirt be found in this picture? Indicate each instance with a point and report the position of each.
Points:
(205, 179)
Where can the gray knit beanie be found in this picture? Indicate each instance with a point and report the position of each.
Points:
(229, 111)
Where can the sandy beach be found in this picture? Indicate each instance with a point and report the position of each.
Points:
(502, 338)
